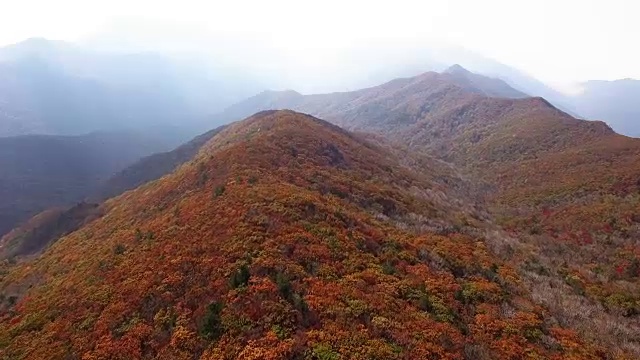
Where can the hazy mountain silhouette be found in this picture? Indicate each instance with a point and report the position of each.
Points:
(58, 88)
(615, 102)
(110, 90)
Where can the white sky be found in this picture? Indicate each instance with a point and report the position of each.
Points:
(557, 41)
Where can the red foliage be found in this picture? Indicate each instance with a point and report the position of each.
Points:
(329, 273)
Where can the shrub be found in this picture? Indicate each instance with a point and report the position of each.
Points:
(468, 294)
(240, 277)
(388, 268)
(633, 270)
(436, 307)
(280, 331)
(202, 174)
(212, 327)
(119, 249)
(219, 190)
(299, 304)
(324, 352)
(284, 285)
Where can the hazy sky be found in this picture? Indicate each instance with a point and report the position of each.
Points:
(557, 41)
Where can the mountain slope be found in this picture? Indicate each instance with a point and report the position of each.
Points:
(565, 189)
(39, 172)
(35, 234)
(286, 237)
(44, 229)
(615, 102)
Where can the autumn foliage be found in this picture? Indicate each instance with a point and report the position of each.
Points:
(561, 194)
(285, 237)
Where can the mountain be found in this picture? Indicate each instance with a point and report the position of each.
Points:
(564, 189)
(484, 117)
(60, 88)
(523, 82)
(385, 64)
(285, 237)
(44, 171)
(615, 102)
(495, 187)
(369, 108)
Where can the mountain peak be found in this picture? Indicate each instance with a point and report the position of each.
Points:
(275, 126)
(37, 43)
(484, 85)
(36, 46)
(288, 92)
(456, 69)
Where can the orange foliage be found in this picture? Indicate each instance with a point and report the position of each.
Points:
(323, 221)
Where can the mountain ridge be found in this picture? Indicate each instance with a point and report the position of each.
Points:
(305, 249)
(488, 86)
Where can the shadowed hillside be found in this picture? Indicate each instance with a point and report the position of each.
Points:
(152, 167)
(40, 172)
(45, 228)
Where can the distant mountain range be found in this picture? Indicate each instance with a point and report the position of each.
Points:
(49, 87)
(53, 87)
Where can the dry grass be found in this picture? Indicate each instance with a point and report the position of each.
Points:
(620, 335)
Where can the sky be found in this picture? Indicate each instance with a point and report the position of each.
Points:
(560, 42)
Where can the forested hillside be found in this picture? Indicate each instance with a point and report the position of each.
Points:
(565, 189)
(305, 249)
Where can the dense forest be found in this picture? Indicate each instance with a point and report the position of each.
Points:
(445, 215)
